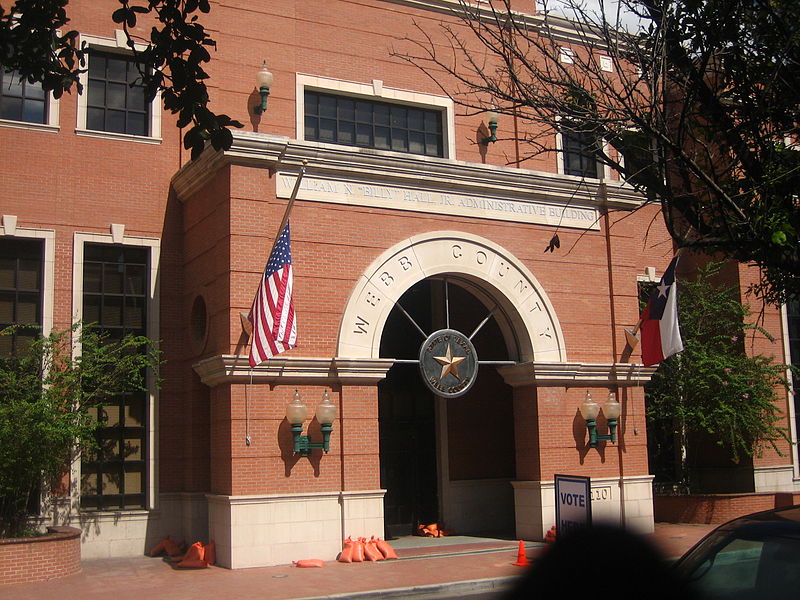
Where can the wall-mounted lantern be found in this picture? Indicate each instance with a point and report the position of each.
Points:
(263, 83)
(491, 118)
(296, 413)
(611, 409)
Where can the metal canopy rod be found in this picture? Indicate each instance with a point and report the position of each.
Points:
(482, 323)
(447, 302)
(413, 322)
(497, 363)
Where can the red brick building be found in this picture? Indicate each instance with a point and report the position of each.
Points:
(402, 205)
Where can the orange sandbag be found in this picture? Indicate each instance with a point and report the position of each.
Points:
(158, 548)
(371, 552)
(210, 553)
(195, 552)
(173, 548)
(346, 555)
(385, 549)
(192, 563)
(308, 562)
(358, 550)
(193, 558)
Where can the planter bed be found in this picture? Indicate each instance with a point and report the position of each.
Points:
(55, 554)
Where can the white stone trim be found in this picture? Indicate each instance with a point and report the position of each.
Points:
(116, 44)
(420, 196)
(292, 370)
(792, 414)
(629, 503)
(375, 90)
(556, 27)
(275, 529)
(48, 237)
(649, 276)
(776, 479)
(531, 327)
(576, 374)
(116, 534)
(51, 118)
(603, 170)
(153, 328)
(275, 153)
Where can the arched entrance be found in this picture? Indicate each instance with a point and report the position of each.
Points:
(453, 459)
(443, 458)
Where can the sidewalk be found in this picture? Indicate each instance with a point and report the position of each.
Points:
(459, 565)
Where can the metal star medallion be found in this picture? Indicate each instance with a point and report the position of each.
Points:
(449, 363)
(436, 362)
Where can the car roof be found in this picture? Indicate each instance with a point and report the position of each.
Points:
(779, 521)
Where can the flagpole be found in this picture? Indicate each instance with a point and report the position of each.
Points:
(289, 204)
(244, 317)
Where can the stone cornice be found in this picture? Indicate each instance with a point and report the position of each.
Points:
(292, 371)
(557, 27)
(576, 374)
(230, 368)
(284, 154)
(296, 497)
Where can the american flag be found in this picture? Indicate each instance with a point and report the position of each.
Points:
(272, 314)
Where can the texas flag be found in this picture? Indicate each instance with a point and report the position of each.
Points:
(661, 336)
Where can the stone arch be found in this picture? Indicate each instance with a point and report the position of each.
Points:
(490, 270)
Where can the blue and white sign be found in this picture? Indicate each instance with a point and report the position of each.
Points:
(573, 503)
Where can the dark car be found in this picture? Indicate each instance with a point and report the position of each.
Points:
(755, 556)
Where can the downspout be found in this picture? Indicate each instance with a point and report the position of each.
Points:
(613, 314)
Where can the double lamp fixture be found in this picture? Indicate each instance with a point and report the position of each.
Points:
(589, 411)
(296, 414)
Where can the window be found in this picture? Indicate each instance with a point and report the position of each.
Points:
(639, 159)
(113, 105)
(115, 293)
(116, 102)
(20, 100)
(21, 278)
(373, 124)
(566, 55)
(578, 149)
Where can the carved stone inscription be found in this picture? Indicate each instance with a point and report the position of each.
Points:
(505, 278)
(434, 201)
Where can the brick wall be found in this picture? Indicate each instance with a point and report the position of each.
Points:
(717, 508)
(40, 558)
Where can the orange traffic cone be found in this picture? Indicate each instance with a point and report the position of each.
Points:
(550, 536)
(522, 560)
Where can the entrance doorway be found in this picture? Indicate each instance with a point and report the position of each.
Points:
(407, 424)
(445, 461)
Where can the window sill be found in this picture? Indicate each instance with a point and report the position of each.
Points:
(115, 513)
(29, 126)
(118, 136)
(375, 151)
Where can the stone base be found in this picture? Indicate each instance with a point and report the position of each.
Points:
(775, 479)
(628, 503)
(275, 529)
